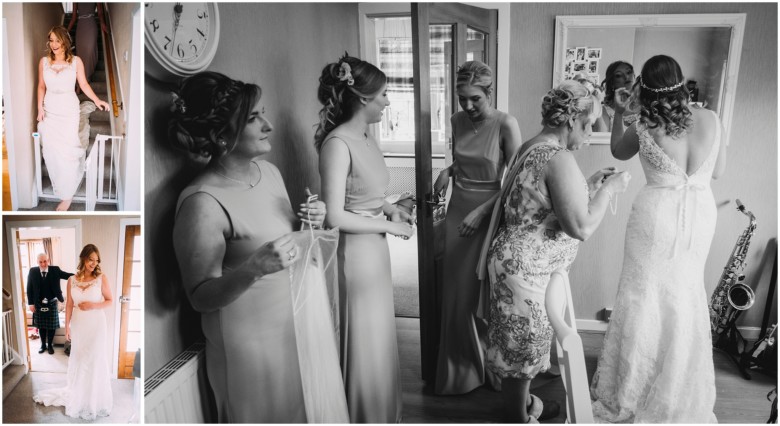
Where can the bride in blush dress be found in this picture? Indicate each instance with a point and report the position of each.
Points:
(87, 394)
(58, 114)
(656, 365)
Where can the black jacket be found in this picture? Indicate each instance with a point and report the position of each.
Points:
(36, 283)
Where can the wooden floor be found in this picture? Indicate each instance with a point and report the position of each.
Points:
(738, 401)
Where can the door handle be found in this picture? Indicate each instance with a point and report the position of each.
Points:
(124, 299)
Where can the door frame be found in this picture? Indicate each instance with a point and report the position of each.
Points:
(9, 126)
(120, 273)
(11, 227)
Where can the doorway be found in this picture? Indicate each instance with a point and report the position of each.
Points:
(129, 295)
(61, 240)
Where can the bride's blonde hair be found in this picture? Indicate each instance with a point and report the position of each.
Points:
(86, 252)
(62, 35)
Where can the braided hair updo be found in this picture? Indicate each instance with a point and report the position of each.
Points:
(570, 100)
(342, 85)
(209, 112)
(663, 96)
(477, 74)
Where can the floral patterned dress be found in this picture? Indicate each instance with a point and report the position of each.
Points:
(529, 245)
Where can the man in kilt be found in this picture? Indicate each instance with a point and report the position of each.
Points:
(43, 293)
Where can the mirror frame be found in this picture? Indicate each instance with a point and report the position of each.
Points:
(735, 21)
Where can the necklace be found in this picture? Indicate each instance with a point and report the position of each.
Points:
(251, 185)
(476, 128)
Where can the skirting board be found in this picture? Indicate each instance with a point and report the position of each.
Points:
(749, 333)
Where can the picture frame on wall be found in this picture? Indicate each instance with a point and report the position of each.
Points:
(593, 53)
(581, 51)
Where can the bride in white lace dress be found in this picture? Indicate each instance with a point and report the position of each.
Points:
(656, 365)
(58, 114)
(87, 394)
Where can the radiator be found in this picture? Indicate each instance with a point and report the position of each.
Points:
(178, 392)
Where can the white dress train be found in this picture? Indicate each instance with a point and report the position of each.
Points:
(87, 394)
(656, 365)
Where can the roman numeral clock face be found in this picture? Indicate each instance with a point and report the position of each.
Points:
(181, 37)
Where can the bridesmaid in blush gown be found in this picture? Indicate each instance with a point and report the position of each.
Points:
(484, 139)
(656, 365)
(88, 391)
(354, 179)
(58, 114)
(234, 241)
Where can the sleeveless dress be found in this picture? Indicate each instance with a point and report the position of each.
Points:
(88, 391)
(369, 348)
(59, 130)
(529, 245)
(656, 365)
(480, 165)
(87, 30)
(250, 344)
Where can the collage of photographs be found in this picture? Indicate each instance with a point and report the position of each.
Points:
(387, 212)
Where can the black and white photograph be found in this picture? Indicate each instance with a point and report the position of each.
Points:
(72, 82)
(359, 213)
(72, 316)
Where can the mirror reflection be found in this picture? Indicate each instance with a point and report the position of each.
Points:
(610, 57)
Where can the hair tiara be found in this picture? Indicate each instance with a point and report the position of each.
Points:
(662, 89)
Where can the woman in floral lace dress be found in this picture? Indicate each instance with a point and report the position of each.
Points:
(543, 212)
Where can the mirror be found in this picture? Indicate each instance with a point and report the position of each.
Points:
(707, 47)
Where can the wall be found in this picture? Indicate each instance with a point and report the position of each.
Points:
(751, 174)
(29, 23)
(65, 251)
(281, 47)
(121, 20)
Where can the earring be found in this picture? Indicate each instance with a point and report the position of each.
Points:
(222, 142)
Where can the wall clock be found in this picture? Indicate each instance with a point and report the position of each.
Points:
(181, 38)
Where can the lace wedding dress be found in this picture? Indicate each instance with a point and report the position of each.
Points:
(88, 391)
(59, 130)
(656, 365)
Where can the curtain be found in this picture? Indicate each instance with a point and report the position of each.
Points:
(49, 250)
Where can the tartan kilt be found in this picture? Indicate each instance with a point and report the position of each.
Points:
(47, 320)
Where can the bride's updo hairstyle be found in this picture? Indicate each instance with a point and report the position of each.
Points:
(342, 85)
(209, 112)
(86, 252)
(663, 96)
(65, 44)
(570, 100)
(477, 74)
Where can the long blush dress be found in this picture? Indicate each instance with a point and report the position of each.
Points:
(369, 348)
(480, 165)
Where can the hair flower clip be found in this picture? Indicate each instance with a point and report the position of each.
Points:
(345, 74)
(177, 103)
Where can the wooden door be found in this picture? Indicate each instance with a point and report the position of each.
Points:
(130, 302)
(464, 33)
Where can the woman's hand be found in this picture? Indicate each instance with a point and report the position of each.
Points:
(471, 222)
(618, 182)
(598, 178)
(41, 114)
(313, 213)
(401, 216)
(102, 105)
(86, 306)
(442, 182)
(622, 100)
(67, 333)
(401, 229)
(276, 255)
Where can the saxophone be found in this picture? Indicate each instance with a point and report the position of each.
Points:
(732, 295)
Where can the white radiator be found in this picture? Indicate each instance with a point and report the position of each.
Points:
(177, 393)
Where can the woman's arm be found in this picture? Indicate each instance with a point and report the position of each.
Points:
(68, 310)
(41, 90)
(86, 88)
(334, 169)
(73, 17)
(199, 235)
(623, 144)
(578, 216)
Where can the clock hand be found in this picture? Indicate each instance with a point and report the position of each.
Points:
(176, 16)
